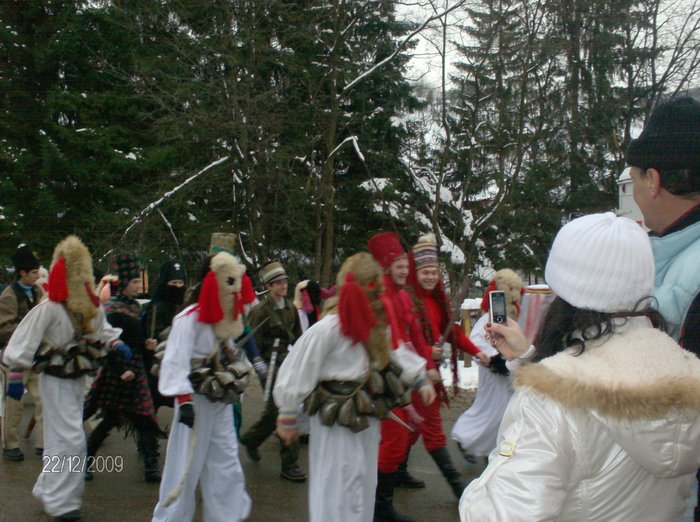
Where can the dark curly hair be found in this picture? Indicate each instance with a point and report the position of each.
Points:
(563, 319)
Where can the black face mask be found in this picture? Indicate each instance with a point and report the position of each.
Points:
(174, 294)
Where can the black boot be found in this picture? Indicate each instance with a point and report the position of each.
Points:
(404, 479)
(147, 444)
(384, 502)
(454, 479)
(94, 442)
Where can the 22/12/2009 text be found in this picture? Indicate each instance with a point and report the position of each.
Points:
(82, 463)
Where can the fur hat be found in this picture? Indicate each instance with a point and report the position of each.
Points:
(24, 259)
(385, 248)
(670, 139)
(508, 281)
(601, 262)
(271, 272)
(425, 253)
(71, 280)
(127, 267)
(220, 301)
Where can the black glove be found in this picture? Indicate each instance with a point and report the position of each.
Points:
(186, 414)
(498, 365)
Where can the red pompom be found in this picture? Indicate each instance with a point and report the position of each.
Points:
(209, 306)
(356, 316)
(58, 286)
(485, 300)
(247, 291)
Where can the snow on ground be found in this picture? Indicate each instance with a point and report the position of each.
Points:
(468, 377)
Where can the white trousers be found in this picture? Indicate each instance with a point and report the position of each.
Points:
(60, 484)
(476, 430)
(215, 465)
(342, 472)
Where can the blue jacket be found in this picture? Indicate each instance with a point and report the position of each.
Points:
(677, 283)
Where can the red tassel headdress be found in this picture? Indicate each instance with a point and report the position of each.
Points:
(209, 306)
(58, 286)
(356, 315)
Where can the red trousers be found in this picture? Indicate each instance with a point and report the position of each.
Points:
(394, 442)
(430, 428)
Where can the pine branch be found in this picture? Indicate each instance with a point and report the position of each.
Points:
(154, 205)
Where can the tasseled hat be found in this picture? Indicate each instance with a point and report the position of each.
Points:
(127, 267)
(386, 248)
(24, 259)
(425, 253)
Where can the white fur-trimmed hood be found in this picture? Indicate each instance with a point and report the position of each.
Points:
(642, 387)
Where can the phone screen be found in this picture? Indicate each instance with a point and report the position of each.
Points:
(497, 307)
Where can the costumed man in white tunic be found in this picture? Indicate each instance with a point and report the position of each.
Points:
(63, 338)
(201, 368)
(345, 368)
(476, 429)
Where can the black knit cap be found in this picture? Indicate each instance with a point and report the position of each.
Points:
(127, 267)
(24, 259)
(670, 139)
(171, 270)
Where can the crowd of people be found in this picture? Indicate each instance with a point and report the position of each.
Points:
(596, 417)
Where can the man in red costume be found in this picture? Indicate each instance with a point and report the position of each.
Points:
(432, 307)
(395, 441)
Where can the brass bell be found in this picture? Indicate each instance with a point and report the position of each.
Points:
(225, 378)
(313, 402)
(363, 403)
(347, 413)
(395, 385)
(376, 383)
(329, 412)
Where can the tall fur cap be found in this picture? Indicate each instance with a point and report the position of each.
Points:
(79, 279)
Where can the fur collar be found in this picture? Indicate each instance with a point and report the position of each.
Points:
(637, 374)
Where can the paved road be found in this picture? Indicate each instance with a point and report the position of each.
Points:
(125, 496)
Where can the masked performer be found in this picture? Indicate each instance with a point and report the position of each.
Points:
(121, 391)
(158, 314)
(202, 370)
(73, 336)
(476, 429)
(346, 360)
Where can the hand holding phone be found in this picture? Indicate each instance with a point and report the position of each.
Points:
(497, 307)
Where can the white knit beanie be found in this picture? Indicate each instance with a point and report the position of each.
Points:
(601, 262)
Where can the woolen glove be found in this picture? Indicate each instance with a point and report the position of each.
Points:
(260, 367)
(186, 414)
(15, 385)
(123, 350)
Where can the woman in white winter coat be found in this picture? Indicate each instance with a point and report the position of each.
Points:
(605, 421)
